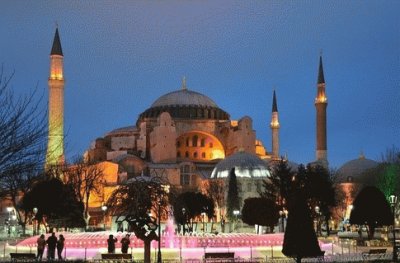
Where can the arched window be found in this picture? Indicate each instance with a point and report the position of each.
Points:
(195, 154)
(203, 155)
(187, 154)
(203, 142)
(194, 141)
(178, 154)
(187, 142)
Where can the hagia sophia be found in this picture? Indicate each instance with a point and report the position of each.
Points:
(185, 137)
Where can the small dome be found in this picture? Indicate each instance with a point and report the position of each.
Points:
(245, 164)
(184, 97)
(352, 170)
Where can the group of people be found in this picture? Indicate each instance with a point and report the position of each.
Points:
(124, 243)
(52, 243)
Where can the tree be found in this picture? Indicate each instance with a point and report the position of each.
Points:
(300, 240)
(23, 137)
(133, 201)
(371, 208)
(85, 178)
(215, 189)
(56, 203)
(279, 185)
(321, 191)
(233, 202)
(189, 205)
(260, 211)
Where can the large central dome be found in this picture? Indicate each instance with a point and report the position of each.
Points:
(184, 97)
(185, 104)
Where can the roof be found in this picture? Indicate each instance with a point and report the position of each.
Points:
(123, 131)
(56, 49)
(245, 164)
(274, 104)
(321, 78)
(184, 97)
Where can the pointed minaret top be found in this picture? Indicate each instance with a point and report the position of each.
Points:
(184, 83)
(274, 104)
(56, 49)
(321, 78)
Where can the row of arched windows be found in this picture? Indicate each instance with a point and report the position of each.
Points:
(195, 142)
(195, 155)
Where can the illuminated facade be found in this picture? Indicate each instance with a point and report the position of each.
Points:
(55, 145)
(181, 136)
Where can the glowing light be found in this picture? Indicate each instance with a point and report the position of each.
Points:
(218, 154)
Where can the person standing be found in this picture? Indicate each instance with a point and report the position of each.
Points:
(41, 244)
(60, 246)
(111, 244)
(125, 244)
(51, 246)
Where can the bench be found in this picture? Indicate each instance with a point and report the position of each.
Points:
(23, 256)
(375, 253)
(116, 256)
(211, 256)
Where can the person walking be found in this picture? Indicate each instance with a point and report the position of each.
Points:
(111, 244)
(60, 246)
(51, 246)
(41, 244)
(125, 244)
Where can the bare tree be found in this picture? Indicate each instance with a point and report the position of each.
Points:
(23, 137)
(86, 178)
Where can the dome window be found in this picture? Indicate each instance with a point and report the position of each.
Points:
(194, 141)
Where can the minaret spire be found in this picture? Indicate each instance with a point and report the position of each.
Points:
(321, 103)
(55, 144)
(56, 49)
(275, 128)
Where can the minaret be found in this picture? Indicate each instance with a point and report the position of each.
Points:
(55, 144)
(321, 102)
(275, 129)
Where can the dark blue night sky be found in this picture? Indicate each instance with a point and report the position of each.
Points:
(120, 56)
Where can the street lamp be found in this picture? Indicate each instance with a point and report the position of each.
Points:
(9, 209)
(317, 211)
(104, 209)
(34, 210)
(184, 219)
(393, 202)
(159, 232)
(236, 213)
(282, 215)
(203, 214)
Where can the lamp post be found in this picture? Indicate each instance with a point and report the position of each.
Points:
(393, 202)
(282, 215)
(236, 213)
(317, 211)
(104, 209)
(9, 209)
(159, 232)
(184, 219)
(203, 214)
(34, 220)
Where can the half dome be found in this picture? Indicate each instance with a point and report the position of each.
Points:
(245, 164)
